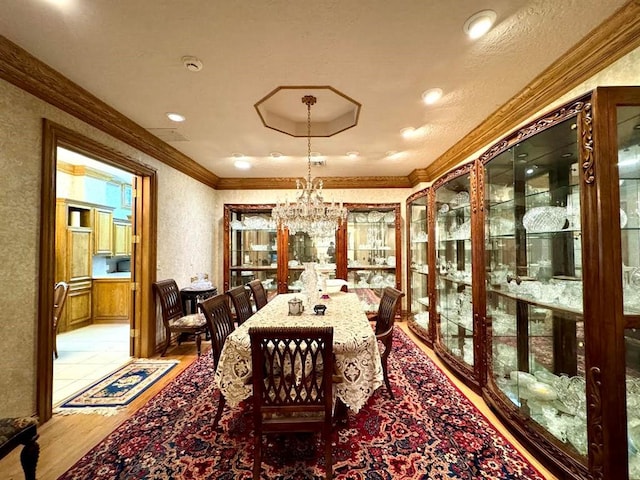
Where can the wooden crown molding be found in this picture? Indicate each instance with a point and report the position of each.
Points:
(287, 183)
(19, 67)
(610, 41)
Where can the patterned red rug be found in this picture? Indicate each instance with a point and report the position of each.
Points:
(431, 431)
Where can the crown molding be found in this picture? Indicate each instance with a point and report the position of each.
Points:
(19, 67)
(610, 41)
(289, 183)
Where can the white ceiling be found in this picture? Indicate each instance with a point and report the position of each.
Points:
(381, 53)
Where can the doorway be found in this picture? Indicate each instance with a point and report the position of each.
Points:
(93, 199)
(141, 195)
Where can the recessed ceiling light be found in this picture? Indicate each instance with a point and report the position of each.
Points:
(431, 96)
(566, 155)
(315, 154)
(523, 155)
(242, 164)
(408, 132)
(353, 154)
(637, 127)
(479, 23)
(175, 117)
(529, 171)
(275, 154)
(237, 155)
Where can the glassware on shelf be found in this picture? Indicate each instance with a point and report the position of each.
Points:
(545, 219)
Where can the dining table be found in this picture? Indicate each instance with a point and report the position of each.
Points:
(355, 348)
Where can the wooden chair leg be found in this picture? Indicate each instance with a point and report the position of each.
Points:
(257, 455)
(221, 403)
(328, 456)
(386, 378)
(55, 346)
(167, 342)
(29, 458)
(198, 343)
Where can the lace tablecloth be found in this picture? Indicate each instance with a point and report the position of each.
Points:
(354, 345)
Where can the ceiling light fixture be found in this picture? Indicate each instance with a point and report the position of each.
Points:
(309, 214)
(431, 96)
(175, 117)
(275, 154)
(193, 64)
(353, 154)
(408, 132)
(242, 164)
(479, 23)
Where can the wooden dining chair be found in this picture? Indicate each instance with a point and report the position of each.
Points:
(220, 324)
(259, 293)
(241, 303)
(172, 317)
(59, 298)
(384, 321)
(292, 384)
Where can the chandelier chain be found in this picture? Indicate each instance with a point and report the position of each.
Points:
(309, 214)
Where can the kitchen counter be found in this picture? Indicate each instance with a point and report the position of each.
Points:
(115, 275)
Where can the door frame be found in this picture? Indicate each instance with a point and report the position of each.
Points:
(144, 234)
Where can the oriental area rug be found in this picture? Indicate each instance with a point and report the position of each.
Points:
(430, 431)
(118, 389)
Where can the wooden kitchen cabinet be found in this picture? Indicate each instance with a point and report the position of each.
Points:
(79, 259)
(111, 300)
(121, 237)
(77, 310)
(102, 231)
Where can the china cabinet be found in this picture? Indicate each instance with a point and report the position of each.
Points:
(534, 254)
(251, 248)
(363, 251)
(418, 287)
(369, 253)
(561, 234)
(456, 325)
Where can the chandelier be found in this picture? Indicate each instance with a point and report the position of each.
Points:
(309, 214)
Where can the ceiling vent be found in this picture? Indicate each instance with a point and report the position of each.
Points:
(168, 134)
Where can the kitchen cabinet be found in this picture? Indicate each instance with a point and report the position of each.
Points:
(418, 279)
(74, 250)
(77, 309)
(111, 300)
(121, 238)
(103, 231)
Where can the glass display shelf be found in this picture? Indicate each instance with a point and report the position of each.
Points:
(534, 288)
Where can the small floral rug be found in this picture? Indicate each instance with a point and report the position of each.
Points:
(430, 431)
(118, 389)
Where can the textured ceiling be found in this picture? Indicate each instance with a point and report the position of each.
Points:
(381, 53)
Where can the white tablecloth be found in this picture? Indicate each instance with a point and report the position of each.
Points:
(354, 346)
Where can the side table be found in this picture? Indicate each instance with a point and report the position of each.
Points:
(190, 296)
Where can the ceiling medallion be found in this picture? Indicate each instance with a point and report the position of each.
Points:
(309, 213)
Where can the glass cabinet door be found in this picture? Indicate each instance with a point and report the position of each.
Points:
(253, 249)
(629, 181)
(301, 249)
(372, 258)
(418, 271)
(453, 268)
(534, 283)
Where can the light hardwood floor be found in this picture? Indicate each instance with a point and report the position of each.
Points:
(65, 439)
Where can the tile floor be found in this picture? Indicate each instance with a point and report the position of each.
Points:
(86, 355)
